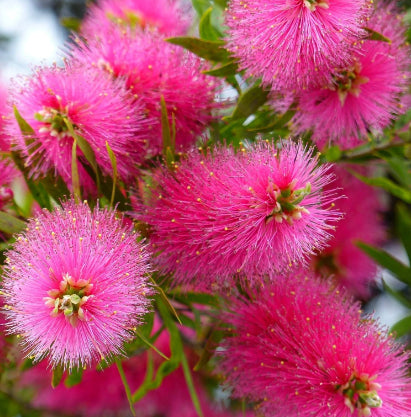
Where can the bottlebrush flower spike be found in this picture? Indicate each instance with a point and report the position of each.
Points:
(341, 258)
(75, 285)
(165, 16)
(99, 109)
(246, 213)
(153, 68)
(366, 95)
(294, 44)
(300, 348)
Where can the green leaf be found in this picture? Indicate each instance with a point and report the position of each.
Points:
(191, 387)
(231, 68)
(176, 347)
(55, 187)
(165, 299)
(25, 128)
(397, 295)
(400, 169)
(404, 228)
(249, 102)
(402, 327)
(71, 23)
(190, 298)
(201, 6)
(168, 134)
(376, 36)
(29, 135)
(27, 364)
(206, 30)
(113, 161)
(42, 188)
(74, 377)
(333, 153)
(57, 376)
(278, 123)
(85, 148)
(387, 185)
(210, 50)
(402, 272)
(74, 173)
(10, 224)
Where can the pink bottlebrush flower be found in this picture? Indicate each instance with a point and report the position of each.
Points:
(244, 213)
(341, 258)
(366, 95)
(299, 347)
(152, 69)
(99, 109)
(165, 16)
(294, 44)
(75, 285)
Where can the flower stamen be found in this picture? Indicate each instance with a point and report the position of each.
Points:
(286, 202)
(69, 299)
(361, 394)
(313, 4)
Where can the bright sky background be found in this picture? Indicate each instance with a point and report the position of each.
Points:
(36, 37)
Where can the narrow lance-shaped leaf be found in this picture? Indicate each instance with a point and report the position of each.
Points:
(74, 377)
(397, 295)
(168, 135)
(85, 148)
(231, 68)
(402, 272)
(376, 36)
(190, 386)
(37, 189)
(10, 224)
(404, 228)
(57, 376)
(206, 29)
(201, 6)
(113, 161)
(25, 128)
(276, 124)
(165, 299)
(387, 185)
(402, 327)
(249, 102)
(74, 173)
(210, 50)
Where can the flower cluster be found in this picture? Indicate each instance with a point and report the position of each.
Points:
(247, 235)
